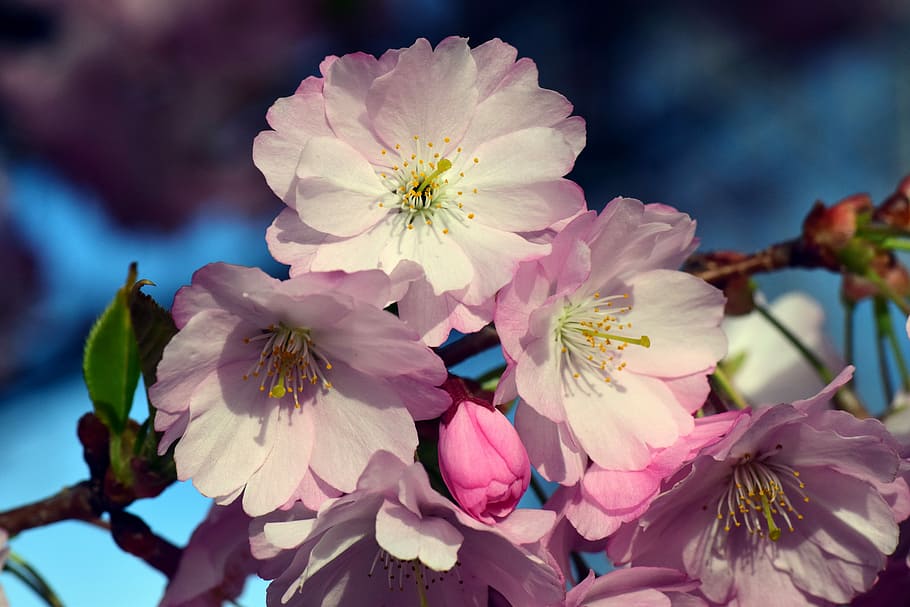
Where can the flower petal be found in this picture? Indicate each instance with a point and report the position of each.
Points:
(364, 416)
(429, 94)
(338, 190)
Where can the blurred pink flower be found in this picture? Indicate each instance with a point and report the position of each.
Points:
(215, 563)
(765, 366)
(603, 338)
(444, 157)
(789, 501)
(635, 587)
(284, 389)
(394, 541)
(482, 460)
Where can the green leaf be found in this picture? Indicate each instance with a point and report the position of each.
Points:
(111, 361)
(153, 327)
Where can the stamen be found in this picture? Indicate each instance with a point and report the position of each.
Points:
(757, 492)
(398, 571)
(592, 340)
(289, 361)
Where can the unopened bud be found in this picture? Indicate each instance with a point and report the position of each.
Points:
(483, 461)
(830, 229)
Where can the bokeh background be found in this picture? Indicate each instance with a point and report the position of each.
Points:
(126, 129)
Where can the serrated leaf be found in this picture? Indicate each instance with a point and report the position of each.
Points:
(153, 327)
(111, 361)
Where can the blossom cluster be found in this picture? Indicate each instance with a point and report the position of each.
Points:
(426, 194)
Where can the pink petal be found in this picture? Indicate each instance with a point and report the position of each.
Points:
(428, 94)
(681, 315)
(551, 448)
(393, 349)
(281, 473)
(434, 316)
(356, 418)
(407, 536)
(621, 490)
(347, 82)
(338, 191)
(516, 104)
(494, 256)
(636, 412)
(277, 157)
(229, 435)
(221, 286)
(494, 60)
(292, 242)
(192, 355)
(538, 380)
(524, 157)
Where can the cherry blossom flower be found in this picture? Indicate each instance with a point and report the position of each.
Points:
(788, 500)
(216, 562)
(260, 364)
(395, 542)
(481, 457)
(603, 338)
(445, 157)
(635, 587)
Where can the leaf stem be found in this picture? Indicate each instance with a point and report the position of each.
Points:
(722, 380)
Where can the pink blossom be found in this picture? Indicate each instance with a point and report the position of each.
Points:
(635, 587)
(765, 366)
(395, 542)
(260, 364)
(482, 460)
(444, 157)
(605, 498)
(603, 338)
(789, 500)
(215, 563)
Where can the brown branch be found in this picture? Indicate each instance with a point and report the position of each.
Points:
(468, 346)
(82, 502)
(133, 535)
(719, 267)
(72, 503)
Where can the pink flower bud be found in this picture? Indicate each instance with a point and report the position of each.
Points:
(482, 460)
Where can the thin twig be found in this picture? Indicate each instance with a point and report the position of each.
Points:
(72, 503)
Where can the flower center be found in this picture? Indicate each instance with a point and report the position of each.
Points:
(423, 186)
(401, 573)
(288, 362)
(592, 336)
(757, 497)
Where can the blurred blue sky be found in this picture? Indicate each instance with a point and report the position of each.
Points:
(741, 122)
